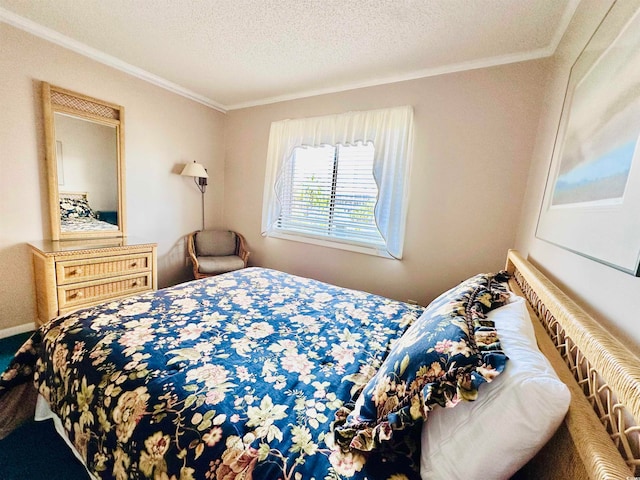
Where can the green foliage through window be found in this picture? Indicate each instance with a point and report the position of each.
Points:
(330, 192)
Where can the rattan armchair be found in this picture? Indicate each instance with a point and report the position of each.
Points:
(213, 252)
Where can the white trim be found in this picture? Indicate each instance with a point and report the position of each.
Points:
(547, 51)
(563, 25)
(78, 47)
(381, 252)
(429, 72)
(104, 58)
(11, 331)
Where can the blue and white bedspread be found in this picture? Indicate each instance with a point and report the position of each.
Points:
(232, 377)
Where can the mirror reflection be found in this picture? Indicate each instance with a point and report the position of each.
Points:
(86, 155)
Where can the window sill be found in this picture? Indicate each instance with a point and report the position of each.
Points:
(377, 252)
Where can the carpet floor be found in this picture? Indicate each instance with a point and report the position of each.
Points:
(9, 346)
(34, 451)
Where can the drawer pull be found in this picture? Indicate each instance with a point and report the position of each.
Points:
(134, 264)
(76, 295)
(134, 283)
(76, 271)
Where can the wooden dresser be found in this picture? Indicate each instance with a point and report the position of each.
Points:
(74, 274)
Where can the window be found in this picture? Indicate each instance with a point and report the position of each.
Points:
(340, 180)
(330, 192)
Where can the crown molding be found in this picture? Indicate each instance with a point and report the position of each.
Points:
(567, 15)
(101, 57)
(90, 52)
(547, 51)
(415, 75)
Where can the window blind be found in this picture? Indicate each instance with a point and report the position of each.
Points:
(330, 192)
(341, 211)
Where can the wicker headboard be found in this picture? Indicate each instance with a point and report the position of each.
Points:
(600, 437)
(78, 195)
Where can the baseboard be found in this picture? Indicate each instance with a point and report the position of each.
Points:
(9, 332)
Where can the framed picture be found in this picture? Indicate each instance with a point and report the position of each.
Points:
(591, 203)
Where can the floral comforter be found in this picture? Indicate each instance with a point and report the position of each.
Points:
(232, 377)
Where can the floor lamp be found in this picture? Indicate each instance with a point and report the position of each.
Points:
(199, 174)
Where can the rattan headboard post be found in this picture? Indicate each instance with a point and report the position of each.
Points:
(607, 372)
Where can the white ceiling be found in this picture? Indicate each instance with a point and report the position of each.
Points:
(235, 53)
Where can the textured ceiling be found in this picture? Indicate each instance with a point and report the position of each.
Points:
(235, 53)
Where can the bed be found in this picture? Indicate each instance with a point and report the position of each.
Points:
(76, 215)
(258, 374)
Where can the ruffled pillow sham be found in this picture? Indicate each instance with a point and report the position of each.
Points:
(440, 360)
(515, 417)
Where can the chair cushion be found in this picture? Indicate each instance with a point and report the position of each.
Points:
(215, 243)
(215, 265)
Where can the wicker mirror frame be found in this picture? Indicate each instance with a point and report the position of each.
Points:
(59, 100)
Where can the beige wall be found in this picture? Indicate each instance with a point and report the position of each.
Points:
(162, 131)
(474, 134)
(611, 296)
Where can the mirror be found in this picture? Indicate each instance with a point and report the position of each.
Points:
(85, 165)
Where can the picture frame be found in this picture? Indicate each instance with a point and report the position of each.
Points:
(591, 203)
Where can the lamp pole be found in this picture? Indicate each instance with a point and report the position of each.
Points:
(201, 182)
(199, 175)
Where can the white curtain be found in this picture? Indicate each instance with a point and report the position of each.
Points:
(390, 130)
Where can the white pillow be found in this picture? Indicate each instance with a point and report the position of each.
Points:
(514, 416)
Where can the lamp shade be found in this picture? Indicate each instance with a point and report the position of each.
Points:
(194, 170)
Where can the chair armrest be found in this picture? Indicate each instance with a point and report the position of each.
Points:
(192, 252)
(243, 253)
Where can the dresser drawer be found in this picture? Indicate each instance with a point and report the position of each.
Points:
(89, 293)
(74, 274)
(73, 271)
